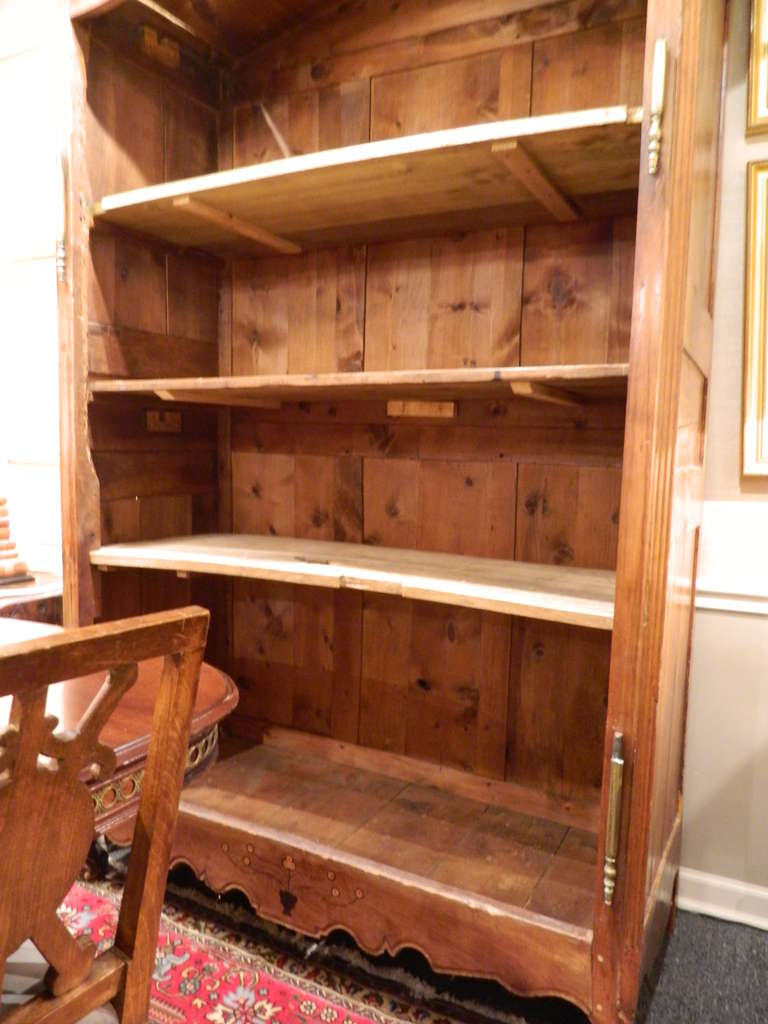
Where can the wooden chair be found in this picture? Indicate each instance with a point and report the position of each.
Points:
(46, 812)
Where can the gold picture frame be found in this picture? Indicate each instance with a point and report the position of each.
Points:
(757, 105)
(754, 411)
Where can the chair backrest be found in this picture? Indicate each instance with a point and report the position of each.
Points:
(46, 812)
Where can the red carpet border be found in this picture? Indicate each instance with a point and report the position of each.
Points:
(206, 973)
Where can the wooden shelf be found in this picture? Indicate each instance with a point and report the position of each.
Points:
(534, 168)
(582, 597)
(560, 384)
(361, 802)
(318, 840)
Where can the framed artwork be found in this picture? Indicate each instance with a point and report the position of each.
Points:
(757, 105)
(754, 410)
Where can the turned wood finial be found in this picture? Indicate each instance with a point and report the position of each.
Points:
(11, 566)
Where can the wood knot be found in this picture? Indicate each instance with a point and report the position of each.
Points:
(382, 437)
(562, 290)
(532, 502)
(563, 553)
(319, 517)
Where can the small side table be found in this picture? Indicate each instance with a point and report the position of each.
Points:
(39, 599)
(116, 799)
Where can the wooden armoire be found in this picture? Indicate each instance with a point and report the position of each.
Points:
(386, 333)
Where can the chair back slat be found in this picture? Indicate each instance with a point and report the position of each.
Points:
(46, 810)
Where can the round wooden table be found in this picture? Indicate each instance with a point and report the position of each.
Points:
(127, 731)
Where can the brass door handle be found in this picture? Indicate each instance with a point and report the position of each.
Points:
(613, 824)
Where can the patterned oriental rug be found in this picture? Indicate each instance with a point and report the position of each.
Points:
(218, 962)
(210, 973)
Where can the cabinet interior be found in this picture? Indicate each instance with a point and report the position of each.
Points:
(452, 745)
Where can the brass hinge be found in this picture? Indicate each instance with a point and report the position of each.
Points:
(61, 232)
(61, 259)
(613, 825)
(658, 82)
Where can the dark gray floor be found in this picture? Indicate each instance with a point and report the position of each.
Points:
(712, 972)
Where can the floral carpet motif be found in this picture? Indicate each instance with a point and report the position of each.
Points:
(206, 973)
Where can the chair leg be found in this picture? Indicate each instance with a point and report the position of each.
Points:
(70, 961)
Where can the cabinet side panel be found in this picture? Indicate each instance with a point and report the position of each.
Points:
(670, 710)
(661, 493)
(127, 309)
(152, 484)
(147, 311)
(687, 486)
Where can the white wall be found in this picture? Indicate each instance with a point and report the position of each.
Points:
(725, 824)
(30, 126)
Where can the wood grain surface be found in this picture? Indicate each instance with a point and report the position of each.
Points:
(316, 199)
(53, 807)
(581, 383)
(579, 596)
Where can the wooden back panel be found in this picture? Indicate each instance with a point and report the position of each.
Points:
(49, 807)
(464, 688)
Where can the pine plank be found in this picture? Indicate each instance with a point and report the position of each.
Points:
(325, 197)
(591, 381)
(415, 34)
(451, 301)
(582, 815)
(582, 597)
(299, 314)
(578, 278)
(435, 677)
(566, 515)
(476, 88)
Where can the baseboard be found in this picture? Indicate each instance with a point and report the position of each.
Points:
(726, 898)
(721, 600)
